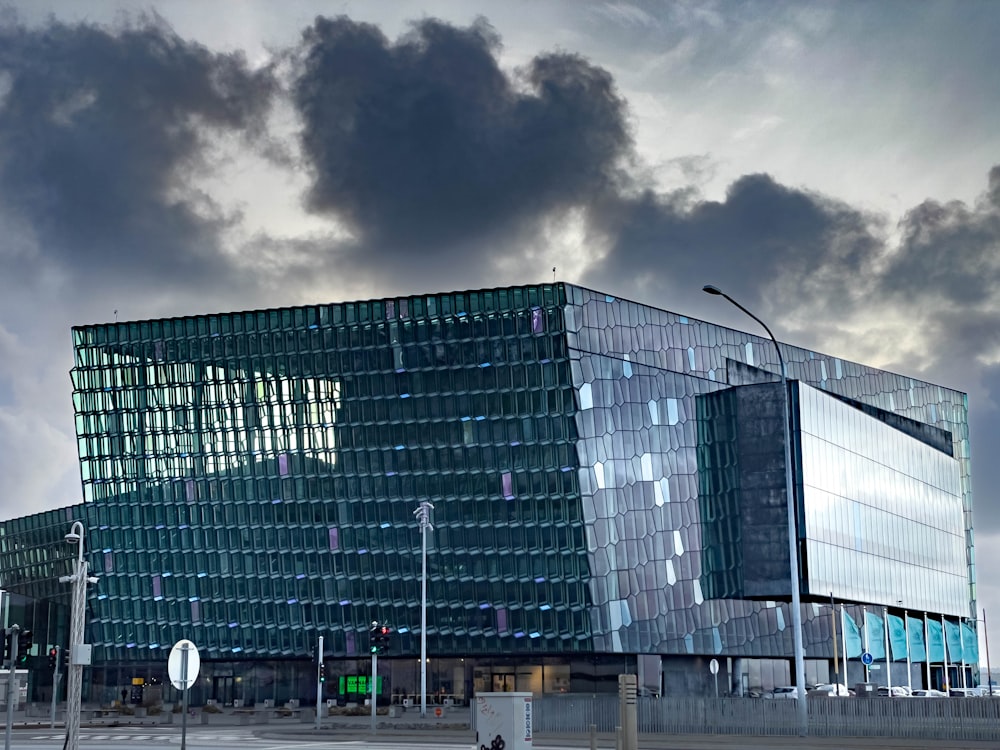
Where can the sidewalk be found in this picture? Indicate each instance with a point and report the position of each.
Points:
(431, 736)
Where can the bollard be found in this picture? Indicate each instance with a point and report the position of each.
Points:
(628, 711)
(593, 737)
(618, 738)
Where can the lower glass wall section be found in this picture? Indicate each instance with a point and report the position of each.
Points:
(457, 681)
(242, 683)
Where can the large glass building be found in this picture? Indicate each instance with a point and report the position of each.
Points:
(608, 483)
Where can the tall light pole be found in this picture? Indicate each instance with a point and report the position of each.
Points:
(906, 636)
(793, 550)
(888, 659)
(423, 514)
(986, 634)
(79, 579)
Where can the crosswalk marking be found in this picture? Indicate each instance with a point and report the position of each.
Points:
(108, 737)
(122, 737)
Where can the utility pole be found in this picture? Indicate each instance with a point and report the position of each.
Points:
(373, 638)
(54, 654)
(423, 514)
(79, 652)
(320, 678)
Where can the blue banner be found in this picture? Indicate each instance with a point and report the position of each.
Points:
(915, 630)
(852, 636)
(897, 637)
(954, 639)
(970, 644)
(876, 637)
(935, 641)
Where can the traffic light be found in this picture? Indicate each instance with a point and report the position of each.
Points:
(6, 646)
(24, 645)
(383, 644)
(378, 638)
(53, 658)
(322, 672)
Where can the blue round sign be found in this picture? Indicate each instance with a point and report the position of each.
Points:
(866, 659)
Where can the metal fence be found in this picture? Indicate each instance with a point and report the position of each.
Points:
(927, 718)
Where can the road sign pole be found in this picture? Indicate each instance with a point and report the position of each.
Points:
(183, 665)
(12, 632)
(864, 628)
(184, 702)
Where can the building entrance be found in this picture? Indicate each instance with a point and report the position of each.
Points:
(223, 687)
(504, 683)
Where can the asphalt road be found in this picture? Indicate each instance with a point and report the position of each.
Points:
(289, 738)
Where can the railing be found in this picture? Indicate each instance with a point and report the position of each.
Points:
(928, 718)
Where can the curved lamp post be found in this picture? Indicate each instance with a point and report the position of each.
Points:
(793, 551)
(79, 579)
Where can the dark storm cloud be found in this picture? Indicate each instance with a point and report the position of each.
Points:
(100, 129)
(425, 144)
(762, 231)
(984, 429)
(950, 251)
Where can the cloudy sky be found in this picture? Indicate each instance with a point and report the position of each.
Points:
(835, 166)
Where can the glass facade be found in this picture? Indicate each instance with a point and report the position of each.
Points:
(882, 511)
(639, 372)
(878, 501)
(250, 479)
(253, 476)
(743, 493)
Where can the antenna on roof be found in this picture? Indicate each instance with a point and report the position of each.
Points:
(553, 274)
(116, 312)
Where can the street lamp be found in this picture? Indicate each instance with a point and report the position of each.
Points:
(793, 552)
(79, 579)
(986, 634)
(423, 514)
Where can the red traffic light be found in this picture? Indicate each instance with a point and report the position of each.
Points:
(53, 652)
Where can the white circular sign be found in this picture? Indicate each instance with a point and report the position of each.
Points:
(713, 666)
(175, 664)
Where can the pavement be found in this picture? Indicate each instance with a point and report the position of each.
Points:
(606, 741)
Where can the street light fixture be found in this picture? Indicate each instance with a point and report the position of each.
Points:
(79, 579)
(793, 551)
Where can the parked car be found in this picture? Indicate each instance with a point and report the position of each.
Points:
(973, 692)
(783, 692)
(831, 689)
(896, 691)
(929, 694)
